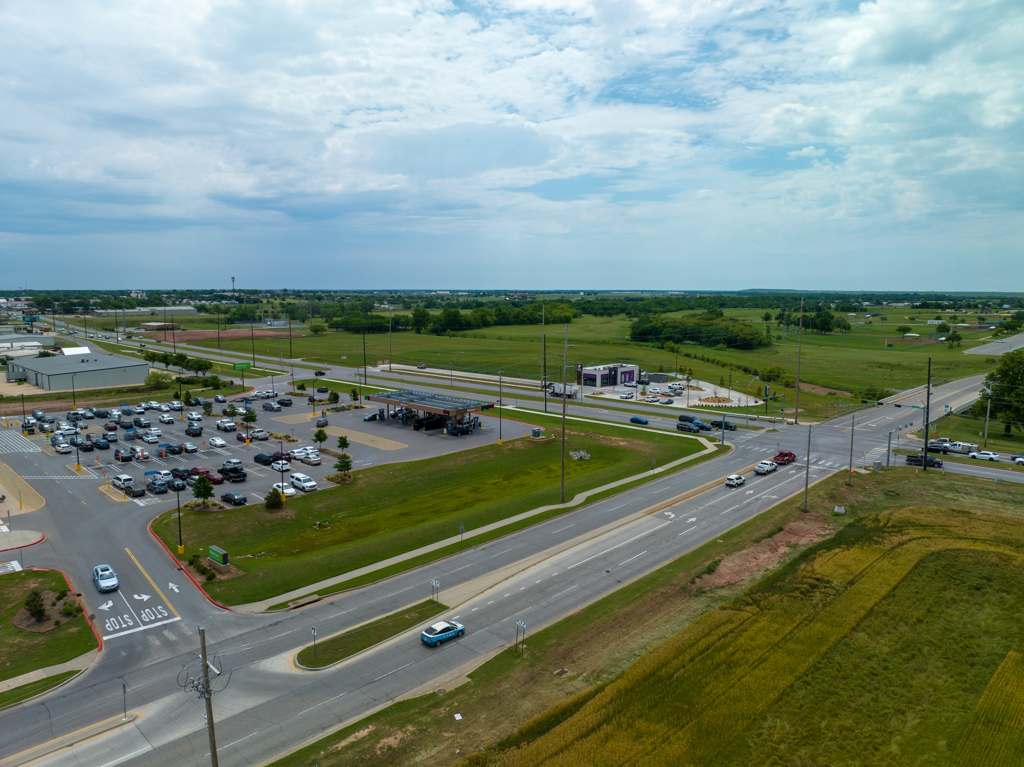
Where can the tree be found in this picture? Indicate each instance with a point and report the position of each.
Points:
(274, 499)
(45, 353)
(203, 489)
(767, 316)
(249, 417)
(317, 329)
(954, 340)
(355, 397)
(344, 463)
(342, 442)
(34, 605)
(942, 327)
(179, 360)
(903, 329)
(420, 319)
(187, 397)
(158, 380)
(333, 397)
(1006, 388)
(320, 436)
(231, 411)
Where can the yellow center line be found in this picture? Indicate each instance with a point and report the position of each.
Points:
(155, 587)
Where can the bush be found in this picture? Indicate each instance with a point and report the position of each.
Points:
(158, 380)
(274, 499)
(196, 561)
(333, 397)
(34, 605)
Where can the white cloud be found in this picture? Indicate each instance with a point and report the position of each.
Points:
(604, 122)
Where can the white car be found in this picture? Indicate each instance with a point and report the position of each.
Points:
(163, 474)
(652, 399)
(150, 439)
(765, 466)
(281, 466)
(164, 409)
(194, 416)
(175, 405)
(656, 390)
(153, 430)
(284, 489)
(217, 442)
(734, 480)
(164, 418)
(121, 481)
(299, 452)
(62, 448)
(303, 482)
(630, 384)
(985, 455)
(151, 405)
(627, 395)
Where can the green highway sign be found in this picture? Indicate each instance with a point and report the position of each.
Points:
(241, 366)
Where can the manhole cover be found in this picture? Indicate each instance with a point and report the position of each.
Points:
(442, 691)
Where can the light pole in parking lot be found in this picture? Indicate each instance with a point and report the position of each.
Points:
(74, 399)
(181, 546)
(280, 463)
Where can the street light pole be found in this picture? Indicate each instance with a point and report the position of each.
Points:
(565, 364)
(451, 370)
(501, 405)
(389, 338)
(181, 545)
(746, 392)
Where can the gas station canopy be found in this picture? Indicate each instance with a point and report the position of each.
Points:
(456, 408)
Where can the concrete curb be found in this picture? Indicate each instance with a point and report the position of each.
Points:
(68, 741)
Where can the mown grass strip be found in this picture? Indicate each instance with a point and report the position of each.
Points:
(342, 646)
(30, 690)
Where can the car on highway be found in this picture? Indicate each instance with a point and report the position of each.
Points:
(188, 447)
(1018, 458)
(441, 631)
(105, 578)
(321, 422)
(687, 427)
(985, 455)
(283, 489)
(156, 486)
(938, 447)
(235, 499)
(264, 459)
(217, 442)
(304, 482)
(729, 425)
(319, 373)
(702, 425)
(765, 467)
(734, 480)
(784, 457)
(281, 466)
(918, 460)
(639, 420)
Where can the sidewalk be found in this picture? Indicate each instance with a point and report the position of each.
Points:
(580, 498)
(80, 663)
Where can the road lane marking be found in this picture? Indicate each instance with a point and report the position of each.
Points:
(648, 532)
(687, 530)
(141, 628)
(631, 559)
(151, 583)
(564, 592)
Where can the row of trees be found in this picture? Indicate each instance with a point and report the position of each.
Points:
(710, 328)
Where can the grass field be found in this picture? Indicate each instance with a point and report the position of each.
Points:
(907, 641)
(336, 648)
(965, 428)
(395, 508)
(30, 690)
(23, 651)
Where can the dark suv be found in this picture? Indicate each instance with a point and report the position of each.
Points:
(141, 423)
(194, 430)
(918, 460)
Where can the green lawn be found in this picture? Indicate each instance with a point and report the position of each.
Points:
(24, 651)
(395, 508)
(336, 648)
(967, 428)
(30, 690)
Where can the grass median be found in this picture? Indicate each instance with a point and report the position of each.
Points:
(337, 648)
(394, 508)
(25, 649)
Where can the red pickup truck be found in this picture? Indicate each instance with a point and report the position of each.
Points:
(784, 457)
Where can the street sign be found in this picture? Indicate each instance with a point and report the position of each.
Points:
(314, 630)
(241, 366)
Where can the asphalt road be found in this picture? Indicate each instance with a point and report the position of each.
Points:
(263, 705)
(1001, 346)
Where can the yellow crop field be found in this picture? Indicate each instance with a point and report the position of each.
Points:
(896, 645)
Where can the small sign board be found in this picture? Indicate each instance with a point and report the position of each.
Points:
(241, 366)
(217, 554)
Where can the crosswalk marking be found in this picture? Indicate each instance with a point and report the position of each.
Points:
(12, 441)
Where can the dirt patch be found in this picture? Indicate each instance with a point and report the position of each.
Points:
(394, 739)
(54, 613)
(761, 556)
(205, 335)
(824, 390)
(353, 738)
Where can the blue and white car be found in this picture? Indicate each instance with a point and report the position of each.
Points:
(441, 632)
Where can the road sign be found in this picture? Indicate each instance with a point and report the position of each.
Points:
(314, 630)
(241, 366)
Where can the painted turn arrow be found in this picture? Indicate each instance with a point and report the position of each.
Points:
(107, 606)
(143, 597)
(173, 587)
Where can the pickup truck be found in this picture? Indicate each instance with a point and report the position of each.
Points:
(784, 458)
(962, 447)
(233, 474)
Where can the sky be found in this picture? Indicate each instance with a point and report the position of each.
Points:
(512, 144)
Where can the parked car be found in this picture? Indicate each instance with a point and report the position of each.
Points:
(281, 466)
(176, 485)
(264, 459)
(442, 632)
(638, 419)
(235, 499)
(139, 454)
(304, 482)
(217, 442)
(215, 478)
(734, 480)
(985, 455)
(272, 406)
(150, 438)
(165, 418)
(784, 457)
(105, 578)
(626, 395)
(121, 481)
(194, 430)
(180, 472)
(283, 489)
(157, 486)
(194, 416)
(233, 475)
(62, 448)
(101, 444)
(371, 417)
(918, 460)
(175, 449)
(311, 459)
(285, 401)
(123, 455)
(765, 467)
(188, 447)
(260, 434)
(220, 398)
(199, 471)
(231, 463)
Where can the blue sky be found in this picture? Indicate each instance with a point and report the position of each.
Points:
(577, 144)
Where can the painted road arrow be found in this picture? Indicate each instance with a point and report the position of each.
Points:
(173, 587)
(143, 597)
(107, 606)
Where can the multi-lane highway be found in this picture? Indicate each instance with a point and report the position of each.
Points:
(264, 705)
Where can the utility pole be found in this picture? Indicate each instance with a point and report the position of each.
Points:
(218, 326)
(501, 405)
(565, 363)
(807, 469)
(252, 340)
(988, 412)
(544, 358)
(799, 348)
(389, 343)
(364, 354)
(290, 355)
(927, 407)
(209, 698)
(849, 479)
